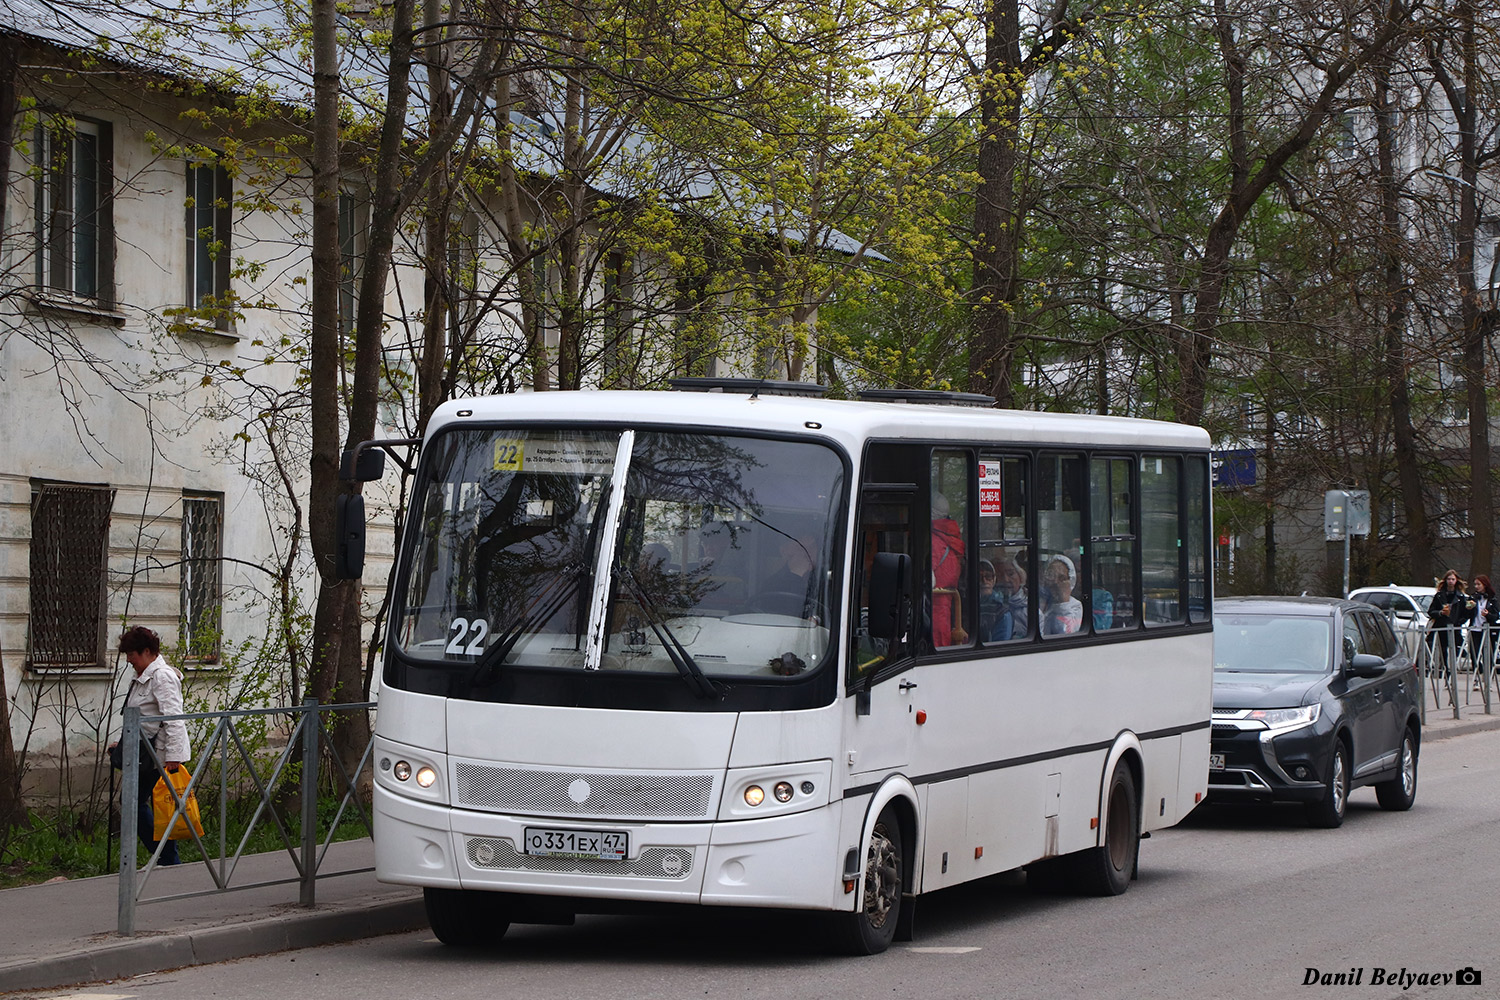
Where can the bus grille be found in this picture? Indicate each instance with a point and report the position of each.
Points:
(583, 793)
(654, 862)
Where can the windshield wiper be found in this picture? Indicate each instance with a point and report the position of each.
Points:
(543, 607)
(699, 682)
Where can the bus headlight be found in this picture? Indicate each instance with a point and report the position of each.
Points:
(426, 776)
(402, 770)
(776, 789)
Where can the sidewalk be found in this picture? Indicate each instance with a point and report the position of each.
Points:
(63, 933)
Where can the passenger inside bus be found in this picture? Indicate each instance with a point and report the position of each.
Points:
(719, 576)
(1063, 614)
(1002, 599)
(947, 571)
(793, 589)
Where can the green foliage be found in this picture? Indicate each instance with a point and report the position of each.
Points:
(39, 852)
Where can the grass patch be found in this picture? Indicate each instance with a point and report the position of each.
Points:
(43, 849)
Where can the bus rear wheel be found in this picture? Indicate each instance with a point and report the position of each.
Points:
(465, 918)
(1106, 870)
(870, 929)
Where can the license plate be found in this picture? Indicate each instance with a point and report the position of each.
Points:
(1216, 762)
(608, 845)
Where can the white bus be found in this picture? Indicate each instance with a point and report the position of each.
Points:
(745, 647)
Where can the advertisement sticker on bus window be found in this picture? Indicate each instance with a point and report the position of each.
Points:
(989, 489)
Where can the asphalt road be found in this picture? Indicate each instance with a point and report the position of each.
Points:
(1236, 903)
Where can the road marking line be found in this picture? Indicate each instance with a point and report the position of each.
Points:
(939, 950)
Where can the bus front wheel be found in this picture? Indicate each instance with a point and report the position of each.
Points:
(464, 918)
(870, 929)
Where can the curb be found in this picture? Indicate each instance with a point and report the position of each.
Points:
(1464, 728)
(121, 958)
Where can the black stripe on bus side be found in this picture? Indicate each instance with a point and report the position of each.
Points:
(996, 765)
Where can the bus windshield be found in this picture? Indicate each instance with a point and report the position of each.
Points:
(694, 553)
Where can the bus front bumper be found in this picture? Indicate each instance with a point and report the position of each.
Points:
(784, 861)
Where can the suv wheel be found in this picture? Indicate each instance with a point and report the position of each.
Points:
(1328, 812)
(1400, 792)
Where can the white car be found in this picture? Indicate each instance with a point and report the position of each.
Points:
(1409, 604)
(1405, 606)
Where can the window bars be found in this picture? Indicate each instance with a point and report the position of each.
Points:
(69, 566)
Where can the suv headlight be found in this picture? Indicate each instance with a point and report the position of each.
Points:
(1283, 719)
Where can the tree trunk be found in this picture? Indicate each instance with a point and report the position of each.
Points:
(528, 289)
(439, 196)
(326, 362)
(1479, 317)
(1393, 342)
(10, 773)
(997, 226)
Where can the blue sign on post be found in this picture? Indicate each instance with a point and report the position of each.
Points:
(1234, 469)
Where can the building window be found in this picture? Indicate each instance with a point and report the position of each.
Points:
(202, 546)
(73, 230)
(209, 219)
(69, 569)
(353, 226)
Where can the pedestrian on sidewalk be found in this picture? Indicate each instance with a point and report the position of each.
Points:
(1450, 610)
(1486, 619)
(156, 689)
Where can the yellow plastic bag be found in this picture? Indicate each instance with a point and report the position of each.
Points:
(163, 806)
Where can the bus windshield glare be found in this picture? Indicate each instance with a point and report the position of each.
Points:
(715, 557)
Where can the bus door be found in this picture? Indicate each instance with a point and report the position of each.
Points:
(882, 632)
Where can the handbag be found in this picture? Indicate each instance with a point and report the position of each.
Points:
(147, 766)
(163, 806)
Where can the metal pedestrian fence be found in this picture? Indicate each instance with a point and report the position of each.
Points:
(1457, 664)
(228, 769)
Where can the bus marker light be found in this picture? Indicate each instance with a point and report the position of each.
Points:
(754, 795)
(921, 717)
(807, 788)
(848, 886)
(978, 853)
(1094, 823)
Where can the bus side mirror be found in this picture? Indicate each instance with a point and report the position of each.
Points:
(362, 464)
(888, 589)
(349, 535)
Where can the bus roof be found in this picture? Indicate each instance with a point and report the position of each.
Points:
(849, 421)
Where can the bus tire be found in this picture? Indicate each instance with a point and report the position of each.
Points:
(870, 929)
(1106, 870)
(464, 918)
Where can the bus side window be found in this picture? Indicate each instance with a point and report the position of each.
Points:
(1002, 608)
(884, 529)
(951, 598)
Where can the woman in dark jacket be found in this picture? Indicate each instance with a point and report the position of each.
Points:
(1451, 608)
(1486, 619)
